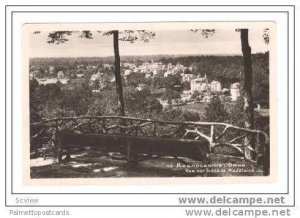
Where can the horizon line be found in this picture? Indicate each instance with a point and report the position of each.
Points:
(110, 56)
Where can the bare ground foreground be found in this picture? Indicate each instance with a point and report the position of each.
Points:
(95, 164)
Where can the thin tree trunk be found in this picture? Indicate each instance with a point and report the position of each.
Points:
(247, 91)
(118, 77)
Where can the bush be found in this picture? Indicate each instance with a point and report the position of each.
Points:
(142, 102)
(215, 111)
(195, 94)
(191, 116)
(176, 115)
(171, 94)
(236, 116)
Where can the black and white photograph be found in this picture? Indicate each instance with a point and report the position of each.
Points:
(148, 100)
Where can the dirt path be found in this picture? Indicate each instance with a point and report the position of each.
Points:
(94, 164)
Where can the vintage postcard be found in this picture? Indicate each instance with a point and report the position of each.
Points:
(186, 100)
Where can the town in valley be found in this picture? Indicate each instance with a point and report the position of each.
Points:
(171, 84)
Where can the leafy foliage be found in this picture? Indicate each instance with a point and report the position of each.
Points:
(105, 104)
(173, 82)
(266, 35)
(34, 102)
(195, 94)
(50, 101)
(142, 102)
(236, 116)
(171, 94)
(132, 36)
(58, 37)
(216, 111)
(134, 79)
(205, 32)
(177, 115)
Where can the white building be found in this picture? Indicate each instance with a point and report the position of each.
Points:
(167, 73)
(107, 66)
(187, 77)
(52, 81)
(216, 86)
(63, 81)
(140, 87)
(127, 72)
(129, 66)
(157, 66)
(224, 90)
(60, 75)
(199, 84)
(79, 75)
(206, 98)
(235, 91)
(47, 81)
(51, 69)
(186, 95)
(148, 75)
(164, 103)
(96, 76)
(178, 69)
(170, 66)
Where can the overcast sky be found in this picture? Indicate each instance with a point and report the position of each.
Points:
(171, 42)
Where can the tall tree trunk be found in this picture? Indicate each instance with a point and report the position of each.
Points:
(118, 77)
(247, 91)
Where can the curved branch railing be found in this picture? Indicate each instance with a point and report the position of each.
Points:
(217, 134)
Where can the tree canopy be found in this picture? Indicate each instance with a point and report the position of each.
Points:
(57, 37)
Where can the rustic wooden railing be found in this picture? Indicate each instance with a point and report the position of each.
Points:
(219, 135)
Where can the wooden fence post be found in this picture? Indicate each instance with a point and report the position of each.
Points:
(129, 155)
(58, 144)
(154, 128)
(212, 138)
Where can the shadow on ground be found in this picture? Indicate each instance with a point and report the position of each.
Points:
(95, 164)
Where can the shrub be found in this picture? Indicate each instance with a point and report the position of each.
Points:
(215, 111)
